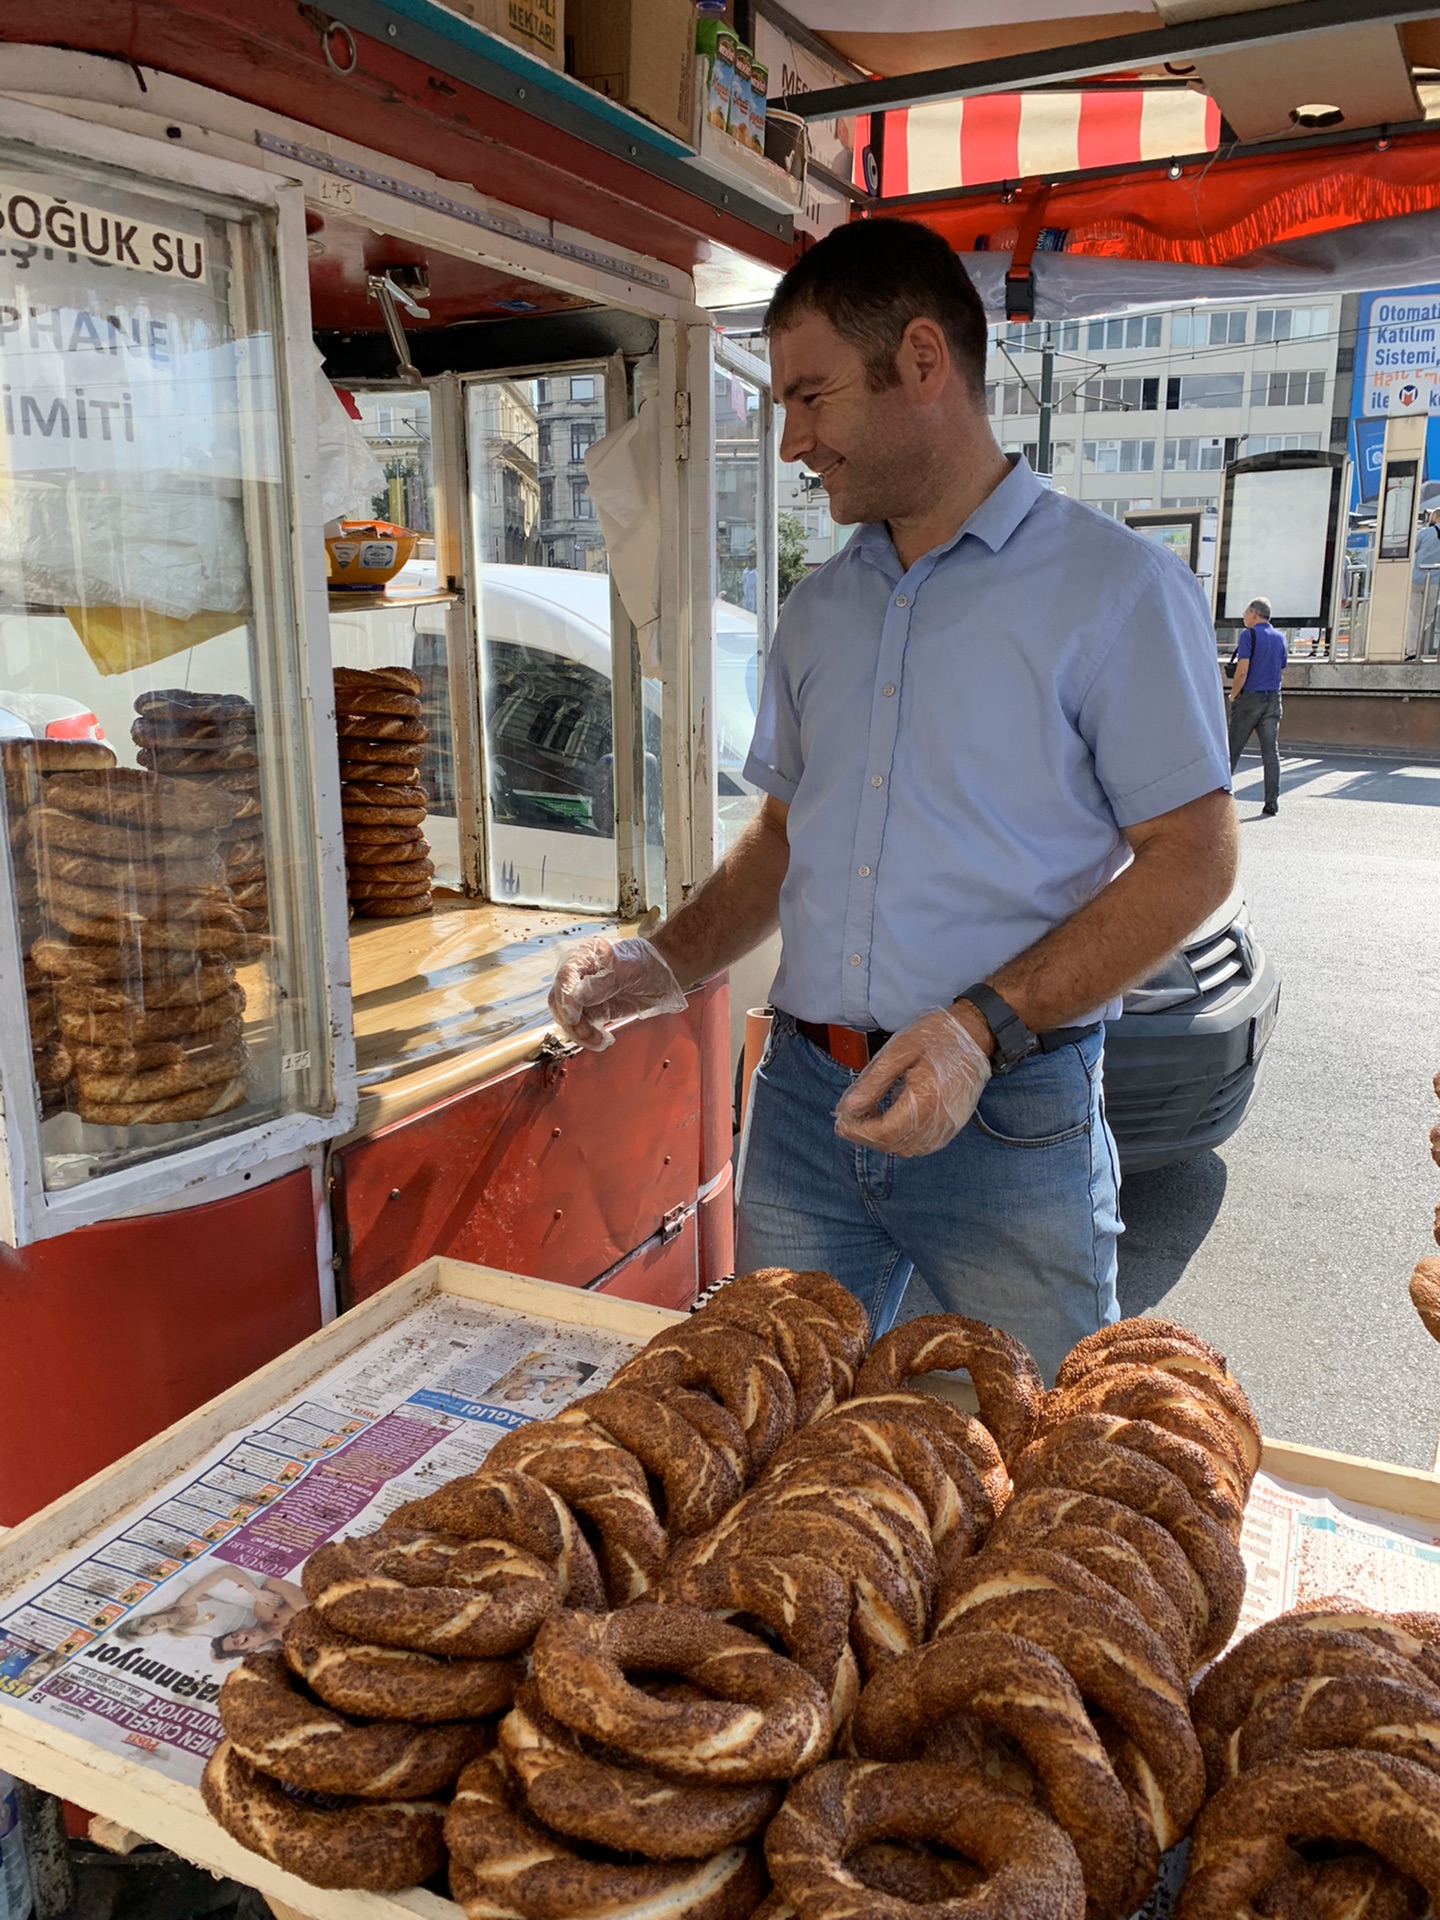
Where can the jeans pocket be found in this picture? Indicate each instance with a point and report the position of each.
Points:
(1044, 1103)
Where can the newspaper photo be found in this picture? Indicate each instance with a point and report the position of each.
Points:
(127, 1641)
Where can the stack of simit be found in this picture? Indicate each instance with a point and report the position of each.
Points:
(141, 945)
(210, 739)
(388, 870)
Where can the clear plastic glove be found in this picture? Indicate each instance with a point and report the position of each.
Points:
(937, 1073)
(608, 980)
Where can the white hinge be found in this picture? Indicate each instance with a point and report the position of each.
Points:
(682, 426)
(672, 1224)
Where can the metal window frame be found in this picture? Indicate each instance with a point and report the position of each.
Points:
(28, 1213)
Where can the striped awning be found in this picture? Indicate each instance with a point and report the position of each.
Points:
(1014, 136)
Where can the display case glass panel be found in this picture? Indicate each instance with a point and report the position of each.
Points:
(158, 781)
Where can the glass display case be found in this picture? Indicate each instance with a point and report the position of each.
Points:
(166, 969)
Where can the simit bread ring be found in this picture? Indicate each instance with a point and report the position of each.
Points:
(213, 906)
(1032, 1868)
(380, 726)
(200, 1067)
(800, 1603)
(52, 1066)
(138, 1025)
(1425, 1294)
(798, 1309)
(270, 1723)
(1033, 1518)
(380, 836)
(1114, 1660)
(183, 708)
(394, 1683)
(631, 1809)
(716, 1425)
(1007, 1381)
(143, 876)
(784, 1322)
(504, 1863)
(872, 1500)
(1213, 1484)
(739, 1368)
(885, 1618)
(700, 1484)
(384, 853)
(140, 934)
(935, 1416)
(379, 1845)
(139, 799)
(390, 753)
(403, 906)
(356, 813)
(1024, 1694)
(476, 1599)
(384, 883)
(1094, 1466)
(823, 1291)
(353, 700)
(605, 1483)
(203, 1103)
(1346, 1710)
(765, 1719)
(379, 773)
(493, 1505)
(1349, 1885)
(396, 679)
(1289, 1648)
(49, 828)
(1242, 1839)
(1132, 1341)
(1123, 1567)
(207, 756)
(1149, 1393)
(902, 1451)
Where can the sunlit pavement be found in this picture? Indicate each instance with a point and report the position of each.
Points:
(1291, 1247)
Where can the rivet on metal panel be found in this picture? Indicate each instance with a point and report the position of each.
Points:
(392, 30)
(559, 1213)
(664, 1063)
(555, 1133)
(519, 93)
(394, 1193)
(667, 1160)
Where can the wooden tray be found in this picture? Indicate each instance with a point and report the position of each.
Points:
(135, 1797)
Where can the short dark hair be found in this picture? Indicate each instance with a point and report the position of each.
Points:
(870, 279)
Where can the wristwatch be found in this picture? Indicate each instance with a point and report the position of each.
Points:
(1014, 1041)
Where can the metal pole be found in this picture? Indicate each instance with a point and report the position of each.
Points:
(1044, 458)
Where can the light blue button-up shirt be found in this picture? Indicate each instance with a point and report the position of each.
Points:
(961, 745)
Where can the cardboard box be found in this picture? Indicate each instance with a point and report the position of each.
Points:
(536, 26)
(640, 53)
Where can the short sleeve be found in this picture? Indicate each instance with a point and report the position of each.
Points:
(1245, 647)
(1153, 716)
(776, 759)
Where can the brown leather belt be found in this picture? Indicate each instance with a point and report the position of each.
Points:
(856, 1047)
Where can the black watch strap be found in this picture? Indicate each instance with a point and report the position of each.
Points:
(1014, 1041)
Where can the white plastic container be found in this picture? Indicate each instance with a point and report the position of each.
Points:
(16, 1899)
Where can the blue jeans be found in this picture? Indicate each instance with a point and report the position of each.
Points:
(1015, 1222)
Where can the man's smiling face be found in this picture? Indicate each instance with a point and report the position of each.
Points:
(868, 443)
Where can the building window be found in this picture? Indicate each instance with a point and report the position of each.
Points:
(1134, 330)
(1117, 509)
(1287, 390)
(550, 553)
(1062, 453)
(1190, 500)
(1117, 396)
(547, 499)
(544, 455)
(582, 437)
(1282, 443)
(582, 386)
(1208, 329)
(1215, 390)
(581, 505)
(1006, 397)
(1194, 456)
(1119, 456)
(1028, 335)
(542, 392)
(1291, 323)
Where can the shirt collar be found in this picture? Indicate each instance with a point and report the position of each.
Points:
(996, 518)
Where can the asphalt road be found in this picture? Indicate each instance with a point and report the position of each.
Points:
(1291, 1247)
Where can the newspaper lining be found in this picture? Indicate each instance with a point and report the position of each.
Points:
(127, 1640)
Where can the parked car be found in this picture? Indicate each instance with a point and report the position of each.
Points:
(1182, 1063)
(46, 716)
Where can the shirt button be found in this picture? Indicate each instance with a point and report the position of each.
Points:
(902, 599)
(864, 873)
(854, 959)
(889, 692)
(877, 779)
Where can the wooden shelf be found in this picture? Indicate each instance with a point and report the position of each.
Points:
(373, 599)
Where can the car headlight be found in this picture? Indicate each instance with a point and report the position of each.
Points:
(1170, 986)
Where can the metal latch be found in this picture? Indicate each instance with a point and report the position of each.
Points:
(672, 1224)
(682, 426)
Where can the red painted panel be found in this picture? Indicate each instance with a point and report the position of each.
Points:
(111, 1333)
(557, 1171)
(717, 1089)
(662, 1274)
(717, 1233)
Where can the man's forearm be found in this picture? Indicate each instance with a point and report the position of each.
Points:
(1237, 685)
(735, 909)
(1178, 876)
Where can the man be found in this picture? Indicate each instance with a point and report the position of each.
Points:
(1255, 696)
(991, 741)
